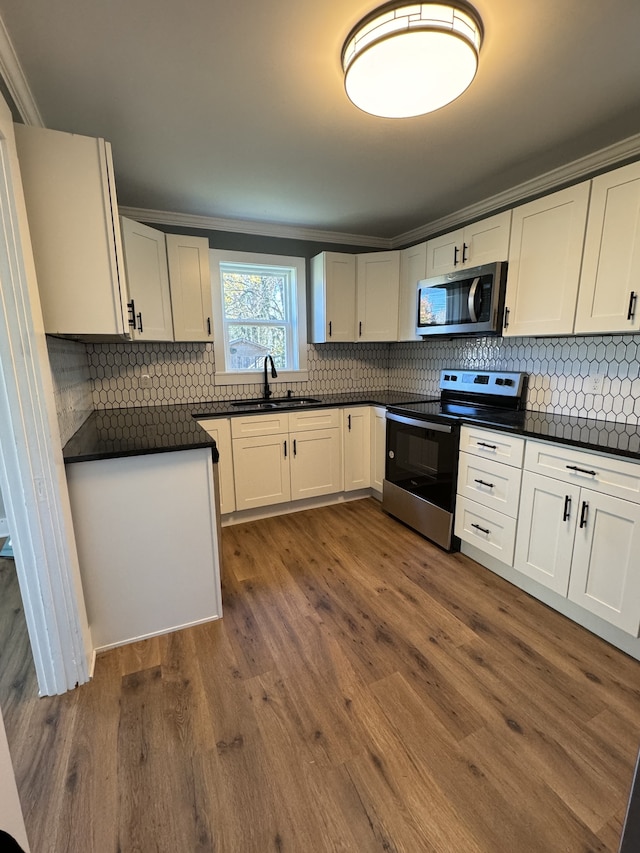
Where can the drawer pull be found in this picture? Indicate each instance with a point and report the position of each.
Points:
(584, 513)
(482, 483)
(567, 508)
(490, 446)
(632, 305)
(581, 470)
(482, 529)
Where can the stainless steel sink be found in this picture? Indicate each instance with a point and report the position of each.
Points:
(278, 403)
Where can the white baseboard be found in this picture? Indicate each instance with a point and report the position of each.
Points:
(4, 527)
(295, 506)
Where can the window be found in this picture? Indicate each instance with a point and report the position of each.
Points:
(259, 310)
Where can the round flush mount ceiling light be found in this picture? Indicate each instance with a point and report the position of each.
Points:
(407, 59)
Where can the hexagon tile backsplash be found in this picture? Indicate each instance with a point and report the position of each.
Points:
(111, 375)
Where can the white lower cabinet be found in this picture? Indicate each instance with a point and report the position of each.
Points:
(261, 470)
(490, 531)
(605, 575)
(356, 431)
(575, 537)
(489, 474)
(315, 463)
(220, 430)
(378, 447)
(286, 456)
(546, 530)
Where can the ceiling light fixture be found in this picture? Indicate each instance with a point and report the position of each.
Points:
(407, 59)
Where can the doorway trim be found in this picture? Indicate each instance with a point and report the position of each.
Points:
(31, 465)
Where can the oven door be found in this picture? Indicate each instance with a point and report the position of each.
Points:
(422, 458)
(420, 482)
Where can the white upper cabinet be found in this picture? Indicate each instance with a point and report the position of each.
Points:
(545, 254)
(413, 268)
(146, 266)
(71, 206)
(333, 297)
(480, 243)
(610, 279)
(377, 289)
(190, 283)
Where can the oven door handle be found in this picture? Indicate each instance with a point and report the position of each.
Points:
(472, 300)
(416, 422)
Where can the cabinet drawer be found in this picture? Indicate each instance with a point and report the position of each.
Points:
(490, 531)
(492, 445)
(619, 478)
(489, 483)
(250, 425)
(314, 419)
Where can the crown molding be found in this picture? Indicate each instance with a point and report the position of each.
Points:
(249, 226)
(16, 82)
(599, 161)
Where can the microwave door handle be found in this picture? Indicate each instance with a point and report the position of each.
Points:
(472, 300)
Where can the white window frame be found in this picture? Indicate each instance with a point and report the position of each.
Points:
(299, 311)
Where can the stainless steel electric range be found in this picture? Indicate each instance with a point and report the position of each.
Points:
(423, 440)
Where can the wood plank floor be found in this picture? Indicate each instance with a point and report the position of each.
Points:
(363, 692)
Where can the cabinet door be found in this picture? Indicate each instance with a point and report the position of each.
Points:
(378, 282)
(220, 430)
(486, 241)
(444, 253)
(610, 278)
(546, 528)
(190, 282)
(545, 254)
(333, 297)
(261, 470)
(378, 446)
(356, 429)
(413, 268)
(605, 575)
(145, 257)
(316, 463)
(69, 192)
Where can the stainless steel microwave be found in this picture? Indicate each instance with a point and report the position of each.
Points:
(464, 302)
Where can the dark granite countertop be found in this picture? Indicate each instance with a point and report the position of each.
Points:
(582, 433)
(111, 433)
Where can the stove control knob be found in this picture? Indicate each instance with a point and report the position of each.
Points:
(392, 455)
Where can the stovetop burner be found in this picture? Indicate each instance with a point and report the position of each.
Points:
(490, 397)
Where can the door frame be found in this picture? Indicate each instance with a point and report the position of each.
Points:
(32, 475)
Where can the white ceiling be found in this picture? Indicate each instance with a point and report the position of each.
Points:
(237, 109)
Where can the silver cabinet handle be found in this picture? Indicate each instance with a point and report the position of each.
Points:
(471, 302)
